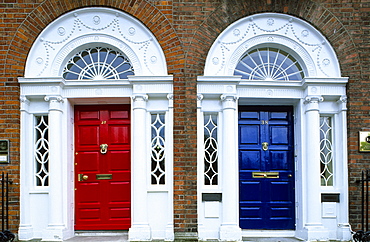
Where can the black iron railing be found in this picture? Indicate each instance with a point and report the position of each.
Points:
(5, 234)
(363, 235)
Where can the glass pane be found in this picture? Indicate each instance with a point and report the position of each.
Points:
(210, 150)
(158, 149)
(98, 64)
(326, 152)
(269, 64)
(42, 150)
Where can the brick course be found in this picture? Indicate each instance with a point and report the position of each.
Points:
(186, 29)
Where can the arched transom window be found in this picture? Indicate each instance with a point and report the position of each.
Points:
(98, 63)
(269, 64)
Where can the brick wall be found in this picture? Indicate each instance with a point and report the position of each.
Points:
(186, 30)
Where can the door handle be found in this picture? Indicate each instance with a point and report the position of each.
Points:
(265, 146)
(82, 177)
(103, 148)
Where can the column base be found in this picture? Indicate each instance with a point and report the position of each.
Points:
(54, 233)
(169, 233)
(344, 232)
(314, 232)
(25, 232)
(140, 232)
(230, 233)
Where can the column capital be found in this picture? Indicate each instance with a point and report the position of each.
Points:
(59, 99)
(199, 100)
(229, 101)
(25, 103)
(54, 102)
(229, 97)
(170, 96)
(313, 99)
(139, 97)
(139, 101)
(342, 101)
(312, 102)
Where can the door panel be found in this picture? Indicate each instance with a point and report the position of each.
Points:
(266, 172)
(103, 197)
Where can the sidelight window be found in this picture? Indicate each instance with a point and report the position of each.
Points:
(41, 150)
(98, 64)
(158, 151)
(326, 151)
(210, 149)
(269, 64)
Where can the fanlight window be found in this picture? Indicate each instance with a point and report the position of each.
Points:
(98, 64)
(269, 64)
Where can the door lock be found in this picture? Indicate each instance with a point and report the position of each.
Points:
(82, 177)
(265, 146)
(103, 148)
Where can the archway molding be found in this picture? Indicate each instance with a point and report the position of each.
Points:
(275, 29)
(101, 25)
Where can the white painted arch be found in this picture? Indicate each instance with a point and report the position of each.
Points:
(81, 28)
(305, 42)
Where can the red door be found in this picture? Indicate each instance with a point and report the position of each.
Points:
(102, 167)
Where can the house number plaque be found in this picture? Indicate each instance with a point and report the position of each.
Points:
(4, 151)
(364, 141)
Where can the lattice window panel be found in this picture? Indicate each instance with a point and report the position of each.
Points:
(158, 149)
(98, 64)
(269, 64)
(210, 150)
(326, 151)
(42, 150)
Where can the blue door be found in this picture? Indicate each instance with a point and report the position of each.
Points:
(266, 167)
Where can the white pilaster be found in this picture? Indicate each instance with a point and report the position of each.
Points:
(170, 236)
(25, 231)
(140, 230)
(314, 229)
(229, 230)
(344, 230)
(56, 227)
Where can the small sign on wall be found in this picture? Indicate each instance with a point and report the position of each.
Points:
(364, 141)
(4, 151)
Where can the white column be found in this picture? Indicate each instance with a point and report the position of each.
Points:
(343, 232)
(25, 231)
(56, 227)
(229, 230)
(140, 230)
(312, 197)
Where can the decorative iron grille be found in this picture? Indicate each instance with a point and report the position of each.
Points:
(269, 64)
(210, 150)
(326, 151)
(98, 64)
(42, 150)
(158, 153)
